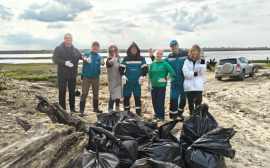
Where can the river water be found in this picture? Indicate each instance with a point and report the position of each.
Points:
(250, 55)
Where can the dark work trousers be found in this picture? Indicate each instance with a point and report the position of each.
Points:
(158, 98)
(62, 86)
(194, 97)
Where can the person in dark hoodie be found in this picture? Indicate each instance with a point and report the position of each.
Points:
(91, 75)
(66, 56)
(133, 69)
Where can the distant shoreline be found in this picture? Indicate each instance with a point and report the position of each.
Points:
(124, 51)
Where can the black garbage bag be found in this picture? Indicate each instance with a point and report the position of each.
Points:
(99, 159)
(163, 150)
(151, 163)
(76, 162)
(124, 147)
(208, 151)
(199, 123)
(164, 131)
(151, 127)
(202, 111)
(107, 120)
(133, 128)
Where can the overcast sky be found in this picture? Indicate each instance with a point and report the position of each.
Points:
(36, 24)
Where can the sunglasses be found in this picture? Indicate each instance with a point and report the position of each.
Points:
(113, 50)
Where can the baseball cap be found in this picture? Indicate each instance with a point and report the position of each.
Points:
(173, 42)
(95, 43)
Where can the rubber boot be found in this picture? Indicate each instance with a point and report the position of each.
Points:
(173, 109)
(95, 104)
(181, 108)
(82, 106)
(180, 112)
(126, 109)
(139, 112)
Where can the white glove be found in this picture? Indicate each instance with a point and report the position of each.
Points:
(102, 61)
(124, 79)
(162, 80)
(113, 60)
(149, 87)
(88, 59)
(141, 80)
(69, 64)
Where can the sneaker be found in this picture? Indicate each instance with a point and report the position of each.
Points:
(158, 120)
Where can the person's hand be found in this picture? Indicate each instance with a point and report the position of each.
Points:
(101, 61)
(113, 60)
(141, 79)
(124, 79)
(162, 80)
(69, 64)
(149, 88)
(87, 60)
(168, 78)
(151, 53)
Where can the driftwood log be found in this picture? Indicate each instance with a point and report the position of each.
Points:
(47, 145)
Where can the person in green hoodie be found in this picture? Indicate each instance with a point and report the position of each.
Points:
(157, 82)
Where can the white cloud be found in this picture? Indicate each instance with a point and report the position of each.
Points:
(57, 10)
(56, 25)
(186, 21)
(5, 13)
(32, 24)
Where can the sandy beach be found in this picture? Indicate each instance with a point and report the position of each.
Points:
(242, 105)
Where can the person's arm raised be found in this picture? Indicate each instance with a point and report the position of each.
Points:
(151, 54)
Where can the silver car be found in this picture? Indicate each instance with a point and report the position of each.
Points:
(236, 67)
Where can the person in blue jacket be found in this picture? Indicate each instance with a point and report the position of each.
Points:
(91, 75)
(176, 60)
(133, 68)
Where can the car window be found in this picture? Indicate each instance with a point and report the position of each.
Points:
(232, 61)
(245, 60)
(241, 60)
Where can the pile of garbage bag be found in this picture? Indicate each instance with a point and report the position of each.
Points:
(204, 144)
(126, 141)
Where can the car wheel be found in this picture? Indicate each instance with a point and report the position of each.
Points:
(252, 73)
(242, 77)
(219, 78)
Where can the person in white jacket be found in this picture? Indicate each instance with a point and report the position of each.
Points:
(194, 69)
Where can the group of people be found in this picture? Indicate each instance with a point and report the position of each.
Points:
(185, 70)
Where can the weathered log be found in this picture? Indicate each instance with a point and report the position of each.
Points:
(44, 145)
(47, 145)
(58, 115)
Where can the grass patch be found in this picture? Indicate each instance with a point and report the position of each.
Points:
(39, 114)
(259, 61)
(266, 65)
(144, 97)
(31, 72)
(28, 76)
(213, 69)
(51, 85)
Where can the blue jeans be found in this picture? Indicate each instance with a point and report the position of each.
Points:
(111, 103)
(158, 98)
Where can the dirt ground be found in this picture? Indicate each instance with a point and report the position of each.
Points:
(242, 105)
